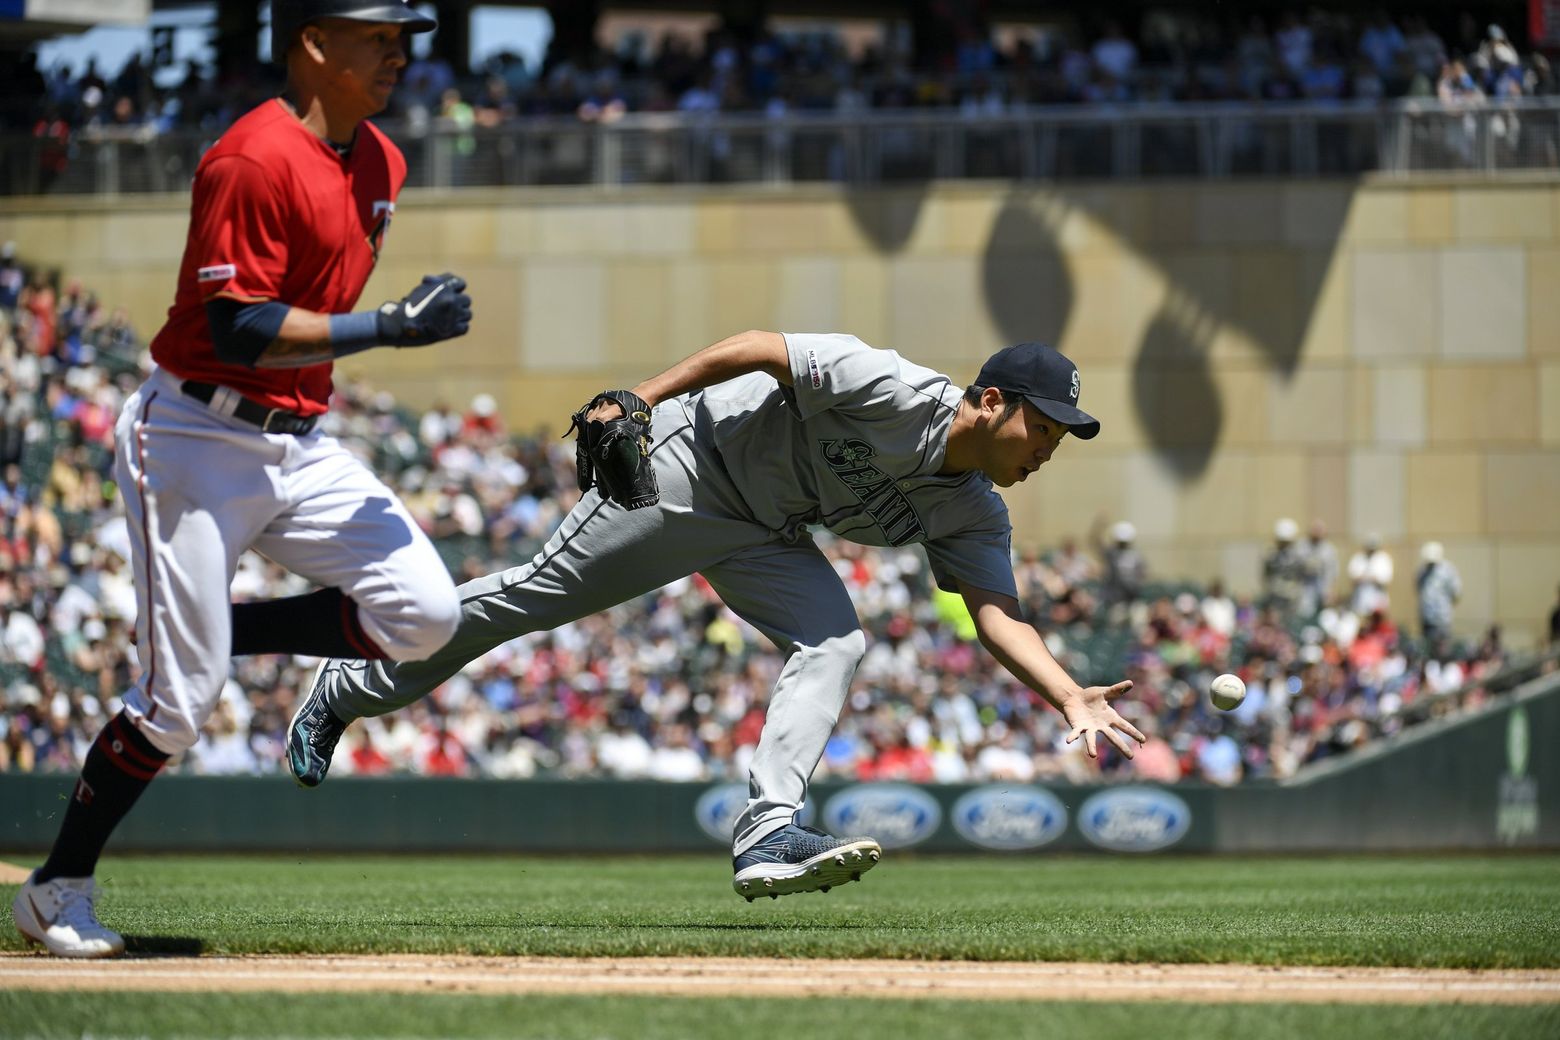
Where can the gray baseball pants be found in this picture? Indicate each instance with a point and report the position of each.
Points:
(603, 555)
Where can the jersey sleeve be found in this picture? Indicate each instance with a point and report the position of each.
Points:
(238, 231)
(979, 548)
(983, 560)
(838, 371)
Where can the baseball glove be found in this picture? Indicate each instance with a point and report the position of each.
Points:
(615, 453)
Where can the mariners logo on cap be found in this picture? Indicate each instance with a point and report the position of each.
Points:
(1077, 384)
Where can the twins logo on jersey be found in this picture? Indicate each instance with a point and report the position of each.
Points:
(383, 211)
(851, 461)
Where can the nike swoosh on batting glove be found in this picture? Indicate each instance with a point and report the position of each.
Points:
(438, 309)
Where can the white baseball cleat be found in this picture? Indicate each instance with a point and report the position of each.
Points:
(61, 914)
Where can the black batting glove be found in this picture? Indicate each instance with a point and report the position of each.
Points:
(437, 309)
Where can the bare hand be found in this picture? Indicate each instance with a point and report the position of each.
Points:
(1092, 714)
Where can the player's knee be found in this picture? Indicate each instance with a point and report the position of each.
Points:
(848, 649)
(419, 631)
(171, 724)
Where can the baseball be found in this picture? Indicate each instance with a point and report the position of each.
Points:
(1226, 692)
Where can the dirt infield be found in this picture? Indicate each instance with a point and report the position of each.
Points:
(745, 977)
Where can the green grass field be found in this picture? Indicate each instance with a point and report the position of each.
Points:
(1457, 911)
(163, 1015)
(1476, 912)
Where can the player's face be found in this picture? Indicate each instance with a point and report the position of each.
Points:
(364, 60)
(1021, 445)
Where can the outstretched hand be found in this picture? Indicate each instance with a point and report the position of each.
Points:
(1091, 715)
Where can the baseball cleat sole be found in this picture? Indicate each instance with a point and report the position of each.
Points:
(838, 866)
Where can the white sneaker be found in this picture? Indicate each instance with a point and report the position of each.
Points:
(60, 914)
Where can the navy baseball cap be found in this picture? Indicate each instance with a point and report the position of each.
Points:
(1046, 378)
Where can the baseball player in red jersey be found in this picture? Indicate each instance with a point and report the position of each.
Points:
(218, 452)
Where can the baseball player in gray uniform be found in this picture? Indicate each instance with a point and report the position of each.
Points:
(751, 441)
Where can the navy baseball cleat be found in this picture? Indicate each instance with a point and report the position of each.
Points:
(313, 733)
(801, 859)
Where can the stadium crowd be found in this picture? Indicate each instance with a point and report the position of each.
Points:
(674, 686)
(1321, 55)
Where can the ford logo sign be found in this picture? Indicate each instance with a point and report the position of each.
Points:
(1007, 818)
(897, 815)
(717, 810)
(1134, 819)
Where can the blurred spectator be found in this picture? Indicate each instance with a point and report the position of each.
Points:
(1321, 570)
(457, 114)
(1381, 43)
(1496, 60)
(1284, 568)
(1440, 587)
(40, 304)
(1424, 48)
(1071, 565)
(1370, 572)
(1218, 756)
(1554, 625)
(1125, 569)
(482, 421)
(1156, 761)
(1292, 40)
(1218, 610)
(1455, 86)
(1114, 54)
(12, 277)
(53, 133)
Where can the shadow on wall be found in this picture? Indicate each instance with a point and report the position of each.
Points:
(1030, 294)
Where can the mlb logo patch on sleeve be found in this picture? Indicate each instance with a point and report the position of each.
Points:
(812, 369)
(217, 273)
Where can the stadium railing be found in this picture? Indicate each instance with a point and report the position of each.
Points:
(1185, 140)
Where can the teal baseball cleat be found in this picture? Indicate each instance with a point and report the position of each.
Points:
(313, 733)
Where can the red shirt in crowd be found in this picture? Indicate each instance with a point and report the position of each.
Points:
(40, 304)
(278, 214)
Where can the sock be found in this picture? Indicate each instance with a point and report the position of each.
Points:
(319, 624)
(119, 765)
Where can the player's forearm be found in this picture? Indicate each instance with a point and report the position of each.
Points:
(304, 339)
(732, 357)
(273, 334)
(1021, 650)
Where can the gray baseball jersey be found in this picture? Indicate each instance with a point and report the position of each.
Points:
(854, 444)
(743, 468)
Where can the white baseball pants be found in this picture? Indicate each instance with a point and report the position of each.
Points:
(200, 488)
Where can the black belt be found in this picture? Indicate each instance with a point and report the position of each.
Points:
(270, 420)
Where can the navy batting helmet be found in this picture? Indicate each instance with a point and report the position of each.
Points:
(288, 16)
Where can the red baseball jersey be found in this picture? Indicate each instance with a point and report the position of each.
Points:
(277, 214)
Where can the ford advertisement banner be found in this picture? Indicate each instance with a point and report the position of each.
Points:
(1008, 818)
(717, 810)
(995, 817)
(1134, 819)
(897, 815)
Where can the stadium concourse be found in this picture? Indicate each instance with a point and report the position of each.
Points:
(1328, 55)
(671, 687)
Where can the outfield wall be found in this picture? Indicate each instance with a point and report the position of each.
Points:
(1383, 356)
(1485, 780)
